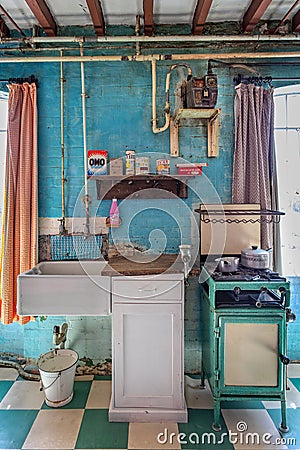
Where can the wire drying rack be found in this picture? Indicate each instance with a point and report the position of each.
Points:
(221, 215)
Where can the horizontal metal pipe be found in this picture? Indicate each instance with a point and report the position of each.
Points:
(167, 39)
(158, 57)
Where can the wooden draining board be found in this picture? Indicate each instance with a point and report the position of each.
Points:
(124, 266)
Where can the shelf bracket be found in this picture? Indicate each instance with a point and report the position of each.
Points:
(174, 145)
(213, 137)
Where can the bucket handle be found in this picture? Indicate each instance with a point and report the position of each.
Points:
(44, 388)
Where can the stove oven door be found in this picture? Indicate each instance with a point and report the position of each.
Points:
(249, 354)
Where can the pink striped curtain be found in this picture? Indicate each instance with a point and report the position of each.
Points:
(19, 227)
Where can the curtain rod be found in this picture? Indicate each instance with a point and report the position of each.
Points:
(30, 79)
(258, 81)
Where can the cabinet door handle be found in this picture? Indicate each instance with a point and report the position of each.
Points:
(147, 290)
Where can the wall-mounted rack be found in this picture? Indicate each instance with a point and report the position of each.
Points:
(141, 186)
(210, 115)
(265, 215)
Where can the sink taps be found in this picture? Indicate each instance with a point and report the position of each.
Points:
(60, 335)
(104, 246)
(186, 256)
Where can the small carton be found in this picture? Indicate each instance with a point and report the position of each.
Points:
(116, 166)
(142, 165)
(97, 162)
(162, 166)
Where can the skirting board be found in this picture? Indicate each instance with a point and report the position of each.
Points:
(147, 414)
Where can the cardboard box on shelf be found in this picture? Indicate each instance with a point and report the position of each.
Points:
(116, 166)
(97, 162)
(142, 165)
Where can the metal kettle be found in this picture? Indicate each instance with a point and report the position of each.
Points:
(256, 258)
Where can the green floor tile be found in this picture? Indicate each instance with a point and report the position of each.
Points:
(5, 386)
(97, 432)
(81, 391)
(296, 383)
(242, 404)
(15, 425)
(292, 438)
(199, 434)
(102, 377)
(194, 376)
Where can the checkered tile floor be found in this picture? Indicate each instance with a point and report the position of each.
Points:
(27, 423)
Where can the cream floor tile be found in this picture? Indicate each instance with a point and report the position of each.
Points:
(196, 397)
(8, 374)
(54, 429)
(23, 395)
(259, 430)
(84, 377)
(144, 436)
(293, 370)
(292, 399)
(99, 395)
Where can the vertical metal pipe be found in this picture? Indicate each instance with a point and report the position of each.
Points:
(83, 100)
(155, 129)
(62, 228)
(62, 137)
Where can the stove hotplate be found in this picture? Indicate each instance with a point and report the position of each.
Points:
(246, 274)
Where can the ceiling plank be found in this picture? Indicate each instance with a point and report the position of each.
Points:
(148, 17)
(96, 13)
(200, 15)
(253, 14)
(43, 16)
(296, 22)
(4, 30)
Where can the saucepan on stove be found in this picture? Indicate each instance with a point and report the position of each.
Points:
(226, 265)
(256, 258)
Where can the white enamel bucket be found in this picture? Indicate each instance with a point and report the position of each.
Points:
(57, 369)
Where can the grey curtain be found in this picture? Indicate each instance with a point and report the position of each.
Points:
(254, 168)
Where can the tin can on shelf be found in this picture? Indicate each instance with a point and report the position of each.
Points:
(130, 162)
(162, 166)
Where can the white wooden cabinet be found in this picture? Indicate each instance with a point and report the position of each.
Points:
(148, 370)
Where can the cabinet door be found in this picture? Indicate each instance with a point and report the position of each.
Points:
(148, 369)
(250, 354)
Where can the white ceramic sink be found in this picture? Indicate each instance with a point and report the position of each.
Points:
(65, 288)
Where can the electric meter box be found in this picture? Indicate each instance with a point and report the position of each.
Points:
(201, 92)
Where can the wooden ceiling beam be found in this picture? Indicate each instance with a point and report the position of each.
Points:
(148, 17)
(43, 16)
(296, 22)
(200, 15)
(96, 13)
(4, 30)
(254, 14)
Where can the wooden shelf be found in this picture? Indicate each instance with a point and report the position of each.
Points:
(211, 116)
(197, 113)
(141, 186)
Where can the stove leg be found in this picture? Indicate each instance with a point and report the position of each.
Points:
(202, 379)
(217, 412)
(283, 426)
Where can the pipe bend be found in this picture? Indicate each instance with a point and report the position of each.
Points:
(156, 130)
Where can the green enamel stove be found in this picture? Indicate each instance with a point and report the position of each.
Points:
(244, 317)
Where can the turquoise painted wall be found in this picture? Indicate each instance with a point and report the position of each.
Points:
(119, 118)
